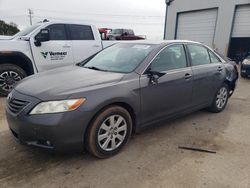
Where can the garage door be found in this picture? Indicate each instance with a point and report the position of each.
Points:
(242, 22)
(197, 26)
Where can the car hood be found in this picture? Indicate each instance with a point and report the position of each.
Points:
(63, 82)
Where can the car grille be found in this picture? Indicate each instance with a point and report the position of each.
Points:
(16, 105)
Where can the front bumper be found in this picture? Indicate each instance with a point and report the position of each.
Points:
(245, 69)
(60, 132)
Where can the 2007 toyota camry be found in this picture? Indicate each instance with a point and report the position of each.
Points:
(99, 102)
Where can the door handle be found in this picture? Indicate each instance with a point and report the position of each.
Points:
(96, 45)
(187, 76)
(219, 69)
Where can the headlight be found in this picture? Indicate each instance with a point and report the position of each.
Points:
(57, 106)
(246, 62)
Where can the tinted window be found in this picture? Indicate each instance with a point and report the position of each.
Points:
(213, 58)
(57, 32)
(170, 58)
(125, 31)
(81, 32)
(199, 55)
(116, 31)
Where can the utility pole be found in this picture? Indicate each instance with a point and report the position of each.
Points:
(30, 12)
(168, 2)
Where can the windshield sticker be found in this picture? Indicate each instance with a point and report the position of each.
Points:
(54, 55)
(145, 47)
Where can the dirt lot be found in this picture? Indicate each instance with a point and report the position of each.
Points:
(151, 159)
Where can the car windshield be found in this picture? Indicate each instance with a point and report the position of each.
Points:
(116, 31)
(123, 58)
(27, 30)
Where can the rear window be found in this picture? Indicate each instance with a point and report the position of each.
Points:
(199, 55)
(81, 32)
(131, 32)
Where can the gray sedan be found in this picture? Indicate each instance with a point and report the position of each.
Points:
(98, 103)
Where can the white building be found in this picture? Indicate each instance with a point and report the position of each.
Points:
(221, 24)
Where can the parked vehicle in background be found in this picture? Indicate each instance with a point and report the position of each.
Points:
(104, 33)
(245, 67)
(45, 46)
(126, 87)
(123, 34)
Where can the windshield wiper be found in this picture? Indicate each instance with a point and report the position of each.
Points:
(95, 68)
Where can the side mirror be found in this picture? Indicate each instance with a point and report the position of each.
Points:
(125, 33)
(42, 36)
(154, 76)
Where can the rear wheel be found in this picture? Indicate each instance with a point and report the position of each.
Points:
(220, 100)
(109, 132)
(10, 75)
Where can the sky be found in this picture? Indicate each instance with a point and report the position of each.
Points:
(146, 17)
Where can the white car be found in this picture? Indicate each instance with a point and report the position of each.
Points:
(45, 46)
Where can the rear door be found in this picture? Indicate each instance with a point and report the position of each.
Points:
(173, 92)
(208, 73)
(83, 41)
(54, 53)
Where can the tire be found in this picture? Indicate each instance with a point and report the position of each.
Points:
(9, 76)
(103, 139)
(220, 100)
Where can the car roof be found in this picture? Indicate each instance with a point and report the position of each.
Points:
(159, 42)
(66, 22)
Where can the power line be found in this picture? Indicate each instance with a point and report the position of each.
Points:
(99, 14)
(97, 21)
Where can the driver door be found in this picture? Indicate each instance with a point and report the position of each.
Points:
(54, 53)
(173, 91)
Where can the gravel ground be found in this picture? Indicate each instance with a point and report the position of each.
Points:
(151, 159)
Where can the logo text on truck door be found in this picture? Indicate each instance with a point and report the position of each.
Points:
(54, 55)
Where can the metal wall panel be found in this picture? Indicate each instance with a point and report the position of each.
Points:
(197, 26)
(241, 27)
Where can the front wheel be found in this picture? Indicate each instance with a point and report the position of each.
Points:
(9, 76)
(109, 132)
(220, 100)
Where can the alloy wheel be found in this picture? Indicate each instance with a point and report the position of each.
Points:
(112, 132)
(8, 79)
(221, 98)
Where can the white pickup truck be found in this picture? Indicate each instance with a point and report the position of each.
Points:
(45, 46)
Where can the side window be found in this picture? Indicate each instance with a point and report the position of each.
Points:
(172, 57)
(81, 32)
(125, 31)
(57, 32)
(131, 32)
(199, 55)
(213, 57)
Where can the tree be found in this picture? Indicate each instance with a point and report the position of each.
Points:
(8, 29)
